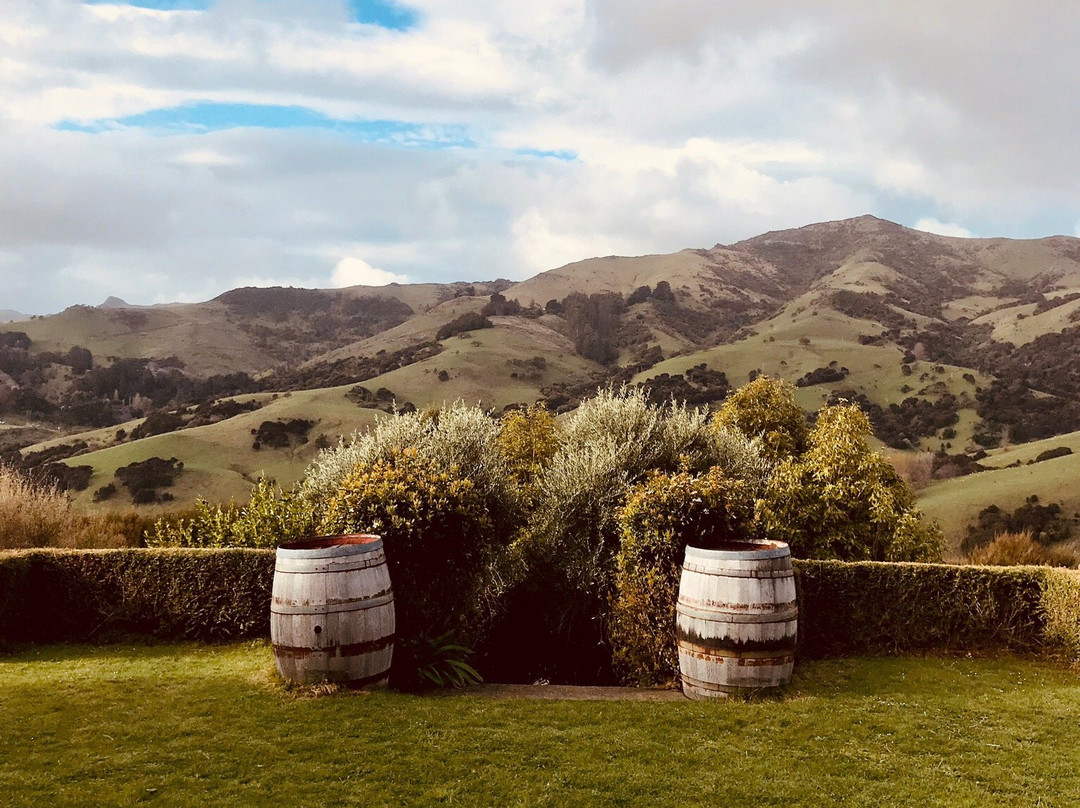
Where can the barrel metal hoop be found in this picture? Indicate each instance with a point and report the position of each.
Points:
(783, 649)
(782, 612)
(280, 606)
(301, 566)
(727, 572)
(332, 551)
(351, 649)
(779, 550)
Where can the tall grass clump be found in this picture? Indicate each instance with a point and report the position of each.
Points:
(1012, 549)
(37, 515)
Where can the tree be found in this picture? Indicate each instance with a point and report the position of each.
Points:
(841, 499)
(766, 409)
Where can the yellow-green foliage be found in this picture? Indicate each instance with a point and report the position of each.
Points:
(1061, 612)
(766, 409)
(528, 438)
(453, 435)
(270, 517)
(843, 500)
(435, 527)
(661, 517)
(1017, 549)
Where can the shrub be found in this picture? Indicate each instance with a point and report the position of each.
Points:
(436, 531)
(158, 423)
(469, 321)
(766, 409)
(1045, 523)
(145, 477)
(282, 434)
(558, 579)
(1050, 454)
(661, 517)
(454, 435)
(270, 517)
(1016, 549)
(63, 476)
(529, 439)
(848, 609)
(843, 500)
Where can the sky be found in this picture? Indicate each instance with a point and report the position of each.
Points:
(170, 150)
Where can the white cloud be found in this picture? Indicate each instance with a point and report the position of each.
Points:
(693, 122)
(353, 271)
(929, 225)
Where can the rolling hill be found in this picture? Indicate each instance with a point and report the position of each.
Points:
(968, 348)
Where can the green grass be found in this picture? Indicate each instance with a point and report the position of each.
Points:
(956, 503)
(197, 725)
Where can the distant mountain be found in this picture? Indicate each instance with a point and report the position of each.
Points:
(114, 303)
(9, 316)
(953, 345)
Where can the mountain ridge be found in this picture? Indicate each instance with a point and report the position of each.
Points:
(951, 345)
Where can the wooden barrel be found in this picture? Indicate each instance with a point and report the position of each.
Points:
(332, 614)
(736, 619)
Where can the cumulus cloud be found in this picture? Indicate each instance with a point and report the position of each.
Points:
(576, 128)
(930, 225)
(352, 271)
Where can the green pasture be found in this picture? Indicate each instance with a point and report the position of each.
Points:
(210, 725)
(956, 503)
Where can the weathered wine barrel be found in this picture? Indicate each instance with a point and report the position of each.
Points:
(332, 614)
(736, 619)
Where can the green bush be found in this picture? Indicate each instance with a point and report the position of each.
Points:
(454, 435)
(270, 517)
(436, 531)
(529, 439)
(840, 499)
(556, 583)
(766, 409)
(661, 517)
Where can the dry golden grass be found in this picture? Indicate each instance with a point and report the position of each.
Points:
(1015, 549)
(916, 468)
(40, 516)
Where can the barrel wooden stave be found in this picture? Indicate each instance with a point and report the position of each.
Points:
(736, 620)
(332, 615)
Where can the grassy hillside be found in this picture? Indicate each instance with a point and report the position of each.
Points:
(890, 313)
(507, 364)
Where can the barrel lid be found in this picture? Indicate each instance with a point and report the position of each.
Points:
(741, 551)
(328, 546)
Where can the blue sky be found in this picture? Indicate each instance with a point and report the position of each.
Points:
(205, 117)
(164, 150)
(393, 16)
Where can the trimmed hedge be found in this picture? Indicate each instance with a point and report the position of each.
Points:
(872, 607)
(101, 595)
(844, 608)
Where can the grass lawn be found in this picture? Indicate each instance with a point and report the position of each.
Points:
(209, 726)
